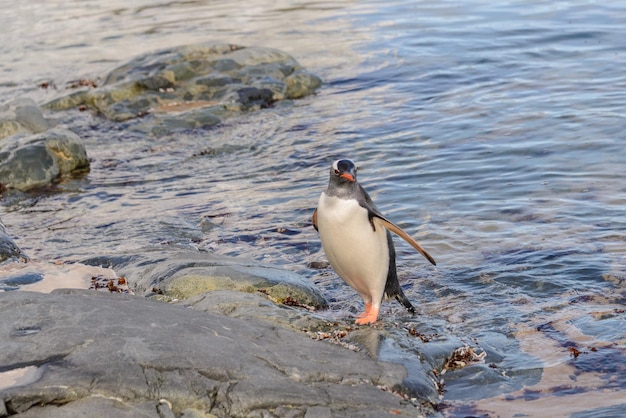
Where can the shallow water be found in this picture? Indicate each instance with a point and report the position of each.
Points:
(491, 133)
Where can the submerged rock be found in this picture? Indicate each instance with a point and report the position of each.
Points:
(22, 116)
(182, 274)
(37, 160)
(95, 354)
(220, 79)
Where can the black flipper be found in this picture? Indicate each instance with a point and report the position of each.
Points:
(366, 202)
(392, 286)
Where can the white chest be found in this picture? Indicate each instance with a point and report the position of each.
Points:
(357, 252)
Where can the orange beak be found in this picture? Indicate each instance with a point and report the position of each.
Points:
(347, 176)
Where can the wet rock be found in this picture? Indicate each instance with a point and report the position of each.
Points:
(37, 160)
(251, 96)
(124, 355)
(245, 306)
(225, 79)
(8, 248)
(248, 291)
(181, 274)
(299, 84)
(22, 116)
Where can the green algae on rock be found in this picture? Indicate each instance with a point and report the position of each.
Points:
(201, 84)
(181, 274)
(32, 152)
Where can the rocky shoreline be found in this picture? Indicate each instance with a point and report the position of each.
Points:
(198, 335)
(189, 87)
(190, 317)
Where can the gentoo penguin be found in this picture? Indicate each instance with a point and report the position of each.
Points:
(356, 240)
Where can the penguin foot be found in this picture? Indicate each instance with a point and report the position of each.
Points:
(369, 316)
(368, 308)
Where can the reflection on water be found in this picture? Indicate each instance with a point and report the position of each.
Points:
(492, 133)
(45, 277)
(19, 377)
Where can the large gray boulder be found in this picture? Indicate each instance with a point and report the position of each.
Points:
(86, 353)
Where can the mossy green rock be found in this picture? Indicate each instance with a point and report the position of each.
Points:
(181, 274)
(37, 160)
(222, 79)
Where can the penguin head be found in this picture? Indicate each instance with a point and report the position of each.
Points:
(343, 172)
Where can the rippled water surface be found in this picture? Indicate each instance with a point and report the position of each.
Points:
(492, 133)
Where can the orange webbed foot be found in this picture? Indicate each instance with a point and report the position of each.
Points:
(368, 308)
(369, 316)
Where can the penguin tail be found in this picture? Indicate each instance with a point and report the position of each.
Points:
(404, 301)
(392, 286)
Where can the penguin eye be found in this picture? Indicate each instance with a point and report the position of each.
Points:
(336, 172)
